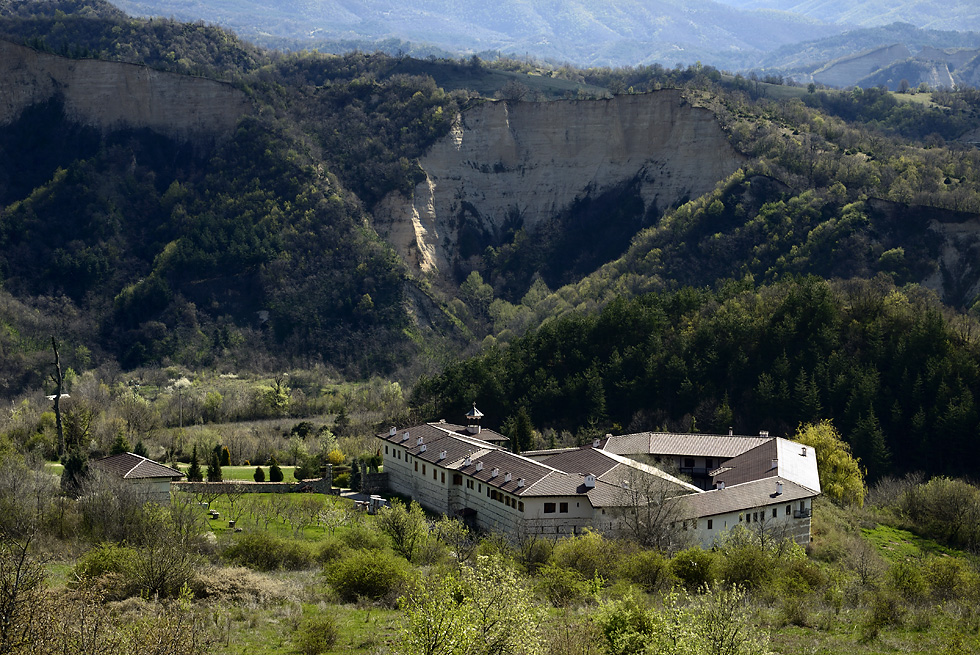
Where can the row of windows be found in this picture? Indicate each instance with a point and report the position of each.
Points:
(493, 494)
(549, 508)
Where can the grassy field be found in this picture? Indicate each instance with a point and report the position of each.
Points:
(228, 473)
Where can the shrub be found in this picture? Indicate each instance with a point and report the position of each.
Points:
(342, 480)
(259, 475)
(331, 549)
(648, 568)
(372, 574)
(563, 587)
(360, 537)
(267, 552)
(275, 473)
(104, 558)
(907, 580)
(694, 567)
(316, 634)
(747, 564)
(588, 553)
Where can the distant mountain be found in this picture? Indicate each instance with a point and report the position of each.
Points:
(928, 14)
(618, 32)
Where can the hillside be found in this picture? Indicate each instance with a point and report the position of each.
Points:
(959, 15)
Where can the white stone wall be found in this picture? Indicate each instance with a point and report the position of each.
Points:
(757, 519)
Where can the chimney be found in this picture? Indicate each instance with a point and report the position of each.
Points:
(405, 436)
(467, 461)
(720, 484)
(473, 420)
(442, 455)
(764, 433)
(494, 473)
(779, 488)
(590, 481)
(422, 448)
(595, 442)
(419, 442)
(520, 482)
(729, 430)
(507, 477)
(803, 454)
(479, 466)
(392, 431)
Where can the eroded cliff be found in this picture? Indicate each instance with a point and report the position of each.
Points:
(110, 95)
(524, 163)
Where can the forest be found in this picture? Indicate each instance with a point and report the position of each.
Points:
(232, 304)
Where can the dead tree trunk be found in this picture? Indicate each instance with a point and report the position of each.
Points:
(59, 381)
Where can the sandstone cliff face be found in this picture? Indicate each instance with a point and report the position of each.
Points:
(110, 95)
(527, 162)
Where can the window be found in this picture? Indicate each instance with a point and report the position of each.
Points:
(423, 469)
(789, 510)
(549, 508)
(386, 450)
(416, 465)
(755, 517)
(709, 463)
(435, 474)
(520, 506)
(457, 479)
(774, 512)
(688, 462)
(739, 518)
(398, 455)
(563, 508)
(480, 488)
(443, 476)
(709, 524)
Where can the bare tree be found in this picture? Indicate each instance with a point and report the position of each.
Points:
(59, 381)
(649, 509)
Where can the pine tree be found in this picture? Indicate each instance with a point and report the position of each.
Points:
(140, 449)
(74, 472)
(259, 475)
(355, 475)
(214, 468)
(194, 472)
(120, 445)
(225, 456)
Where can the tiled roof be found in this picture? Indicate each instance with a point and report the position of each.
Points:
(582, 460)
(691, 445)
(776, 457)
(132, 467)
(758, 493)
(430, 431)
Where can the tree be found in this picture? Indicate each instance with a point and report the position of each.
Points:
(59, 382)
(275, 473)
(521, 431)
(74, 472)
(225, 456)
(649, 509)
(194, 473)
(214, 468)
(355, 475)
(120, 445)
(259, 475)
(841, 478)
(407, 527)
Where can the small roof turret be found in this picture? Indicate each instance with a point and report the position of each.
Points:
(473, 420)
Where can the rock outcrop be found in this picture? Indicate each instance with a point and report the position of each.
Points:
(110, 95)
(524, 163)
(846, 71)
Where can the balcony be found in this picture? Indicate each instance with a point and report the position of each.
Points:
(802, 513)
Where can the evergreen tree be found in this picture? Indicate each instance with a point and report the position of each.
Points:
(120, 445)
(355, 475)
(74, 472)
(521, 431)
(140, 449)
(259, 475)
(214, 468)
(194, 473)
(225, 456)
(275, 473)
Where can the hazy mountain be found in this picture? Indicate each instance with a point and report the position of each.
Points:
(620, 32)
(930, 14)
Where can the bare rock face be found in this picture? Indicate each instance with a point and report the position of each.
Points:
(110, 95)
(848, 70)
(526, 162)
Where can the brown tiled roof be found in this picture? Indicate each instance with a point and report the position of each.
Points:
(582, 460)
(758, 493)
(754, 464)
(130, 466)
(430, 431)
(691, 445)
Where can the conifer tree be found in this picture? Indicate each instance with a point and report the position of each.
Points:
(120, 445)
(275, 473)
(194, 473)
(259, 475)
(214, 468)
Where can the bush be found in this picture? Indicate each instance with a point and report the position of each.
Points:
(316, 634)
(373, 574)
(104, 558)
(342, 480)
(563, 587)
(589, 554)
(266, 552)
(747, 564)
(360, 537)
(648, 568)
(694, 567)
(331, 549)
(275, 473)
(259, 475)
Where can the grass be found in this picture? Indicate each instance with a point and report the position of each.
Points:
(898, 545)
(244, 473)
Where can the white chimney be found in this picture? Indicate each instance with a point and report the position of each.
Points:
(507, 477)
(729, 430)
(520, 482)
(467, 461)
(443, 455)
(494, 473)
(422, 448)
(720, 484)
(479, 466)
(419, 442)
(405, 436)
(595, 442)
(779, 488)
(590, 481)
(803, 454)
(764, 433)
(392, 431)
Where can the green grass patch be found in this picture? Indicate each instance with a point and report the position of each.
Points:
(898, 545)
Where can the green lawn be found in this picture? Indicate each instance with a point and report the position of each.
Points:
(897, 545)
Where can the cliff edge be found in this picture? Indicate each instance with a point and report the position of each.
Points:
(110, 95)
(523, 163)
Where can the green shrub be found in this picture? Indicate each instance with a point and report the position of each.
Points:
(372, 574)
(275, 473)
(563, 587)
(590, 554)
(104, 558)
(747, 564)
(360, 537)
(316, 634)
(266, 552)
(259, 475)
(330, 549)
(906, 578)
(648, 568)
(342, 481)
(694, 567)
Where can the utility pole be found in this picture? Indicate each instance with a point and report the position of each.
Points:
(59, 381)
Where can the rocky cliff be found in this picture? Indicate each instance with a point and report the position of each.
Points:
(506, 164)
(846, 71)
(109, 95)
